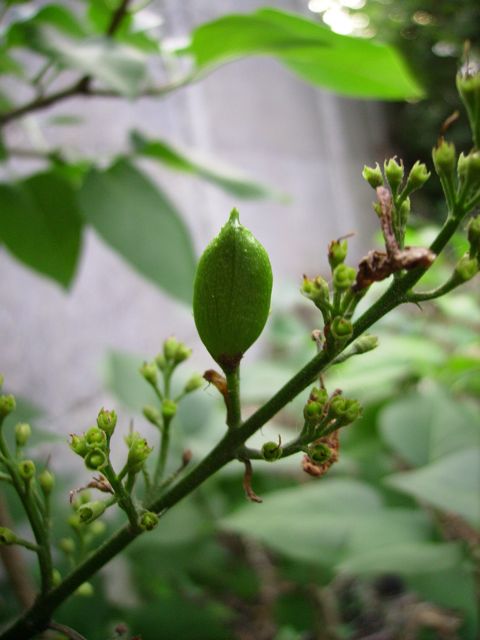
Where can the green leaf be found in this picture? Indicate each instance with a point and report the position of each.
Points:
(61, 19)
(326, 523)
(404, 559)
(422, 427)
(40, 225)
(225, 178)
(137, 220)
(450, 484)
(119, 67)
(351, 66)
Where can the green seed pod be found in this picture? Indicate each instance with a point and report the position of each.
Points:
(272, 451)
(232, 291)
(23, 431)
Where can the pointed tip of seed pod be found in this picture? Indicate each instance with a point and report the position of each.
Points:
(234, 217)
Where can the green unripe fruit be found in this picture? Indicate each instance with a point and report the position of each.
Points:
(272, 451)
(95, 459)
(319, 453)
(232, 291)
(26, 469)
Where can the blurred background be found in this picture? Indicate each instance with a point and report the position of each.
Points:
(388, 545)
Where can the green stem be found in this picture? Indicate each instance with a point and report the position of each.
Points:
(163, 453)
(37, 617)
(34, 517)
(28, 545)
(124, 500)
(234, 416)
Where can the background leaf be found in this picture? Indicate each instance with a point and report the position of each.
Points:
(350, 66)
(40, 224)
(451, 484)
(231, 181)
(141, 223)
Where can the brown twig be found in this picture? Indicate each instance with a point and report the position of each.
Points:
(70, 633)
(247, 482)
(14, 564)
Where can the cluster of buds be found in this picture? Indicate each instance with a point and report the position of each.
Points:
(174, 352)
(94, 445)
(317, 290)
(324, 413)
(394, 175)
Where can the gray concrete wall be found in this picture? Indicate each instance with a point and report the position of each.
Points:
(252, 114)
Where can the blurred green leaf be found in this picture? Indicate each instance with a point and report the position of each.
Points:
(8, 65)
(117, 66)
(208, 169)
(329, 522)
(422, 427)
(404, 559)
(450, 483)
(350, 66)
(40, 225)
(19, 33)
(122, 378)
(137, 220)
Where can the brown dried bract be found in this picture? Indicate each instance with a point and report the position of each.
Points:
(319, 470)
(247, 482)
(100, 483)
(217, 380)
(378, 265)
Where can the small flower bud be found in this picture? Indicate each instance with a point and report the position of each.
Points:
(404, 212)
(170, 347)
(169, 408)
(161, 361)
(85, 590)
(466, 268)
(468, 169)
(56, 577)
(341, 329)
(394, 173)
(138, 452)
(107, 421)
(46, 481)
(344, 410)
(7, 405)
(337, 252)
(74, 522)
(319, 395)
(316, 290)
(67, 545)
(152, 414)
(149, 372)
(148, 520)
(91, 511)
(343, 277)
(319, 453)
(26, 469)
(473, 235)
(365, 343)
(272, 451)
(95, 438)
(468, 85)
(373, 176)
(182, 353)
(312, 412)
(97, 528)
(417, 177)
(23, 431)
(444, 159)
(7, 536)
(194, 383)
(78, 444)
(95, 459)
